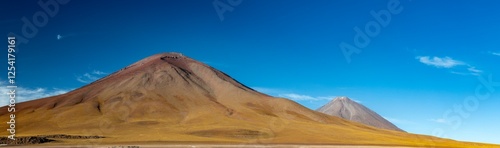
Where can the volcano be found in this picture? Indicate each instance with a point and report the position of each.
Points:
(346, 108)
(169, 98)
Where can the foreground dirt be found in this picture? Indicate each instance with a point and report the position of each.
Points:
(216, 146)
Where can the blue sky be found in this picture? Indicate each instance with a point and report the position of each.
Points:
(417, 67)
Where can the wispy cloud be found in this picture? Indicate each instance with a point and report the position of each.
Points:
(90, 77)
(291, 95)
(24, 94)
(97, 72)
(495, 53)
(63, 36)
(297, 97)
(445, 62)
(449, 63)
(301, 97)
(439, 120)
(474, 70)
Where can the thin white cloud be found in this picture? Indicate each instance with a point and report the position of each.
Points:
(461, 73)
(90, 77)
(63, 36)
(458, 67)
(495, 53)
(97, 72)
(474, 70)
(439, 120)
(469, 71)
(300, 97)
(80, 79)
(24, 94)
(291, 95)
(445, 62)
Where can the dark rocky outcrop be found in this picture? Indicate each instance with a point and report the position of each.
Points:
(42, 139)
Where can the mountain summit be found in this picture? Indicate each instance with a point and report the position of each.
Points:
(169, 98)
(346, 108)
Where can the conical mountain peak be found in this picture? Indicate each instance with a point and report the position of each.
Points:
(351, 110)
(343, 98)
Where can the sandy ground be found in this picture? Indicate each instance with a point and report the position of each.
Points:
(212, 146)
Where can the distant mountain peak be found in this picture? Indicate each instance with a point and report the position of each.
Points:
(343, 98)
(351, 110)
(172, 55)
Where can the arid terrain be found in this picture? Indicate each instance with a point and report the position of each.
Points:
(215, 146)
(169, 99)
